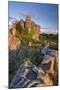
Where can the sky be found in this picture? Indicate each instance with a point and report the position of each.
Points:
(46, 15)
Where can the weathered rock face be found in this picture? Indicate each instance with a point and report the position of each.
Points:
(29, 75)
(28, 22)
(22, 23)
(14, 42)
(31, 25)
(15, 57)
(14, 31)
(36, 29)
(26, 76)
(37, 32)
(50, 64)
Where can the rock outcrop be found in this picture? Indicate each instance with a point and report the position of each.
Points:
(43, 72)
(29, 75)
(29, 25)
(22, 23)
(13, 41)
(26, 76)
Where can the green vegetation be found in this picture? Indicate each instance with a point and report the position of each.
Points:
(35, 57)
(51, 38)
(24, 36)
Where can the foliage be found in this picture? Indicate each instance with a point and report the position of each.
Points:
(35, 57)
(51, 38)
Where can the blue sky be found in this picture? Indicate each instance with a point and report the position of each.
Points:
(46, 15)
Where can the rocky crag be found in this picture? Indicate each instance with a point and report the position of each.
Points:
(21, 28)
(27, 68)
(30, 75)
